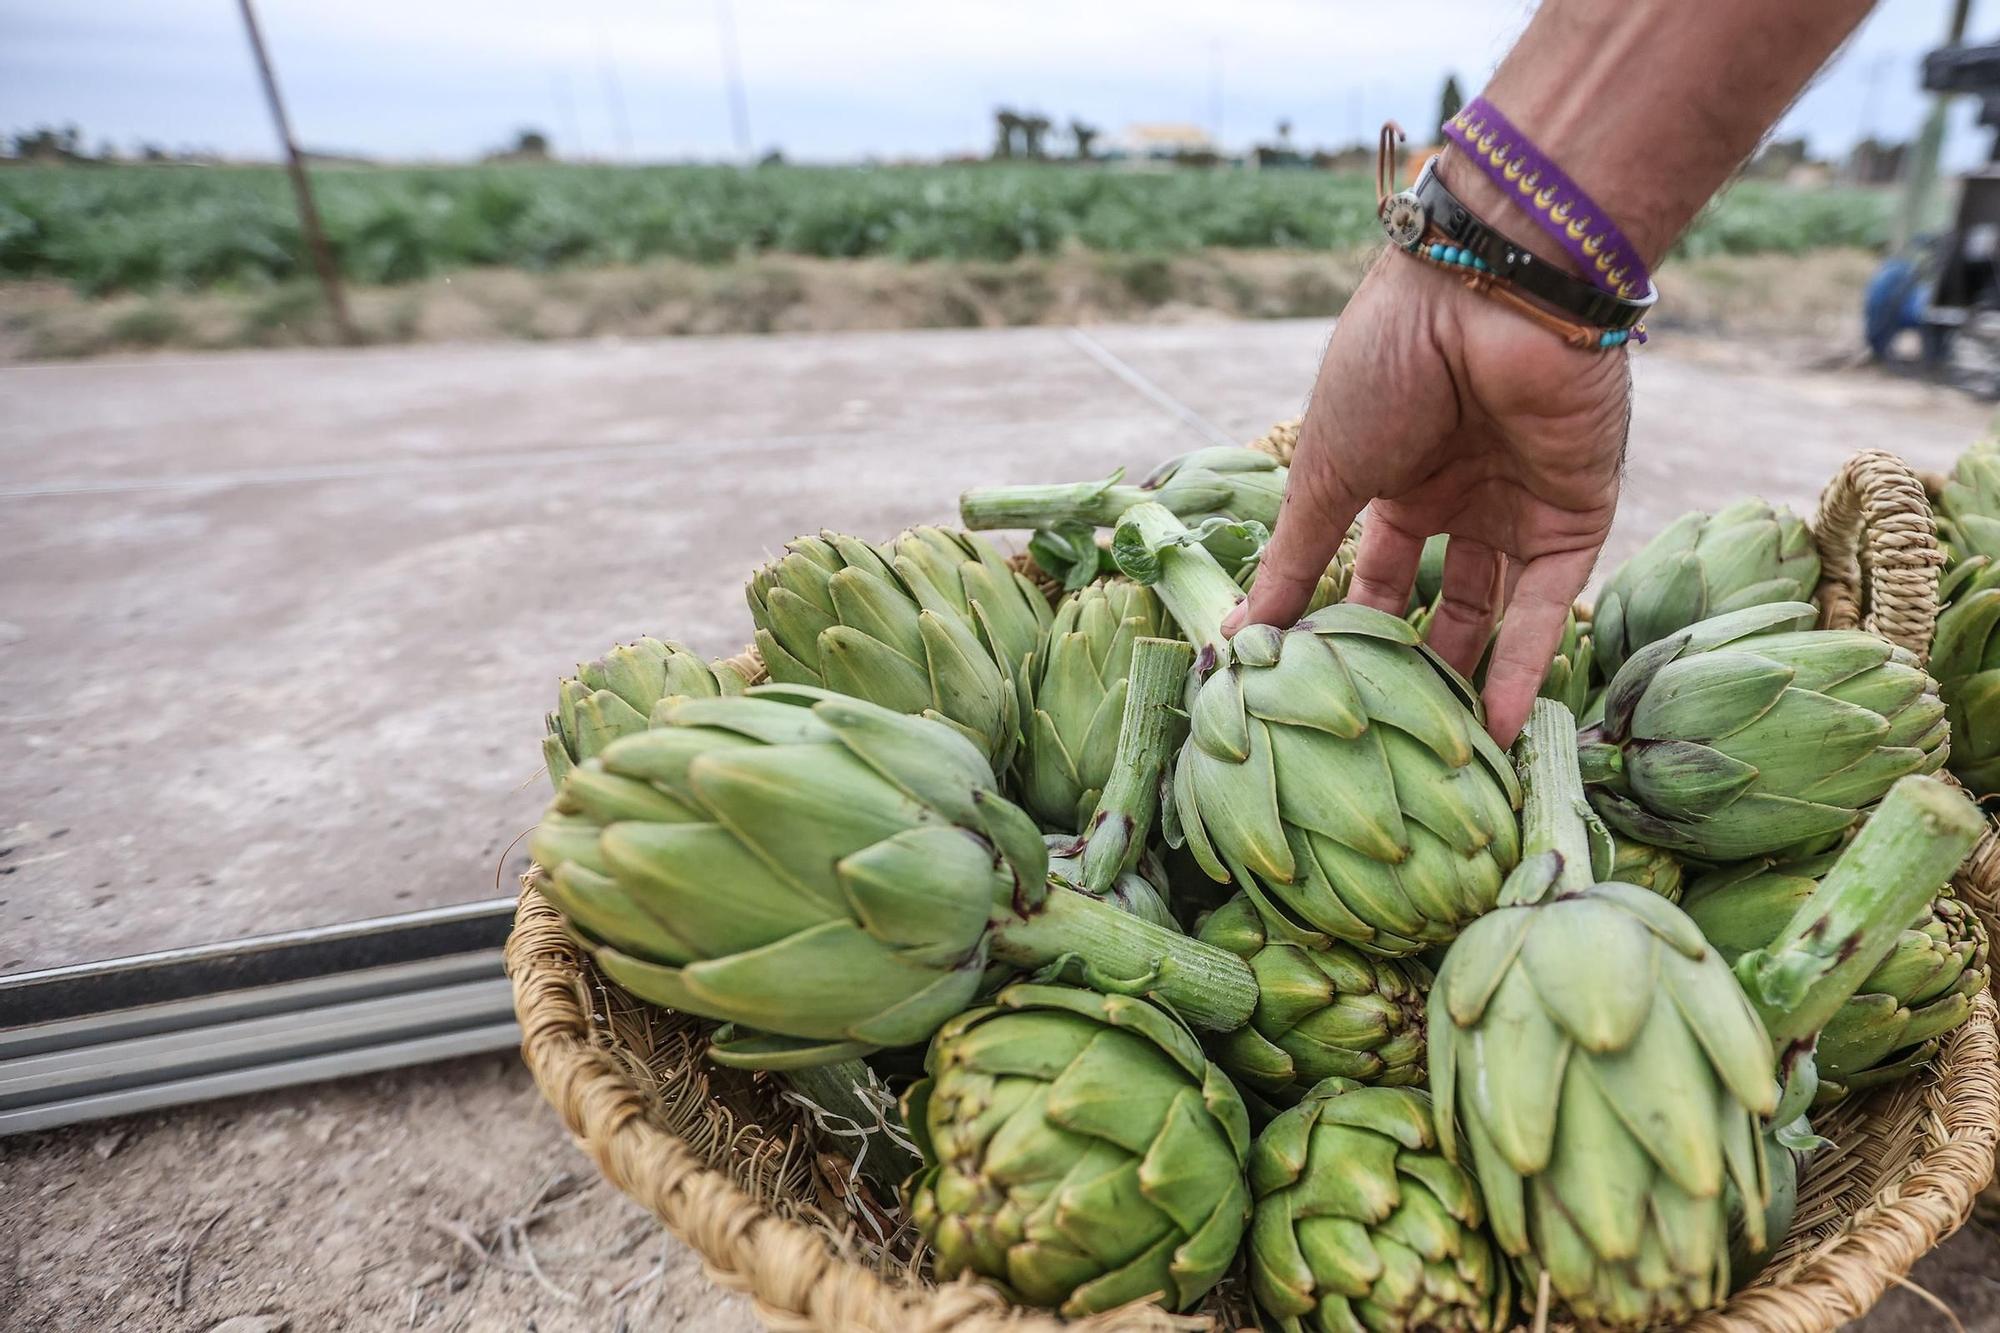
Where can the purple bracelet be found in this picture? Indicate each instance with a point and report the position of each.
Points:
(1547, 194)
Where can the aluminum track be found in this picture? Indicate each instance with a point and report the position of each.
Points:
(187, 1025)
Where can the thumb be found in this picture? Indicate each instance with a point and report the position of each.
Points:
(1312, 522)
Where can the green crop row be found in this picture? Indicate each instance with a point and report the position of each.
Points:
(143, 228)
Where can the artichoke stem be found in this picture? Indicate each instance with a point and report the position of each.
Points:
(1208, 987)
(1553, 810)
(1095, 502)
(1152, 728)
(880, 1150)
(1196, 590)
(1896, 863)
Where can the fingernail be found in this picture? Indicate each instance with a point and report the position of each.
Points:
(1234, 620)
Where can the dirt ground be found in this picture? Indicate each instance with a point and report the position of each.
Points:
(443, 1198)
(1794, 295)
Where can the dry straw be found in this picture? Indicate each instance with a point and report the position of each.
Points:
(732, 1168)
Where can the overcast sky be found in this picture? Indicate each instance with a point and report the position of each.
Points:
(826, 79)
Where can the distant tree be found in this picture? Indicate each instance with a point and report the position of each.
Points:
(1006, 125)
(1033, 130)
(1085, 134)
(531, 143)
(1450, 99)
(1284, 134)
(47, 144)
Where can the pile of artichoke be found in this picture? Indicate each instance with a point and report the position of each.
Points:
(1191, 955)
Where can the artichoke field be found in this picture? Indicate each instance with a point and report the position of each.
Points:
(1248, 972)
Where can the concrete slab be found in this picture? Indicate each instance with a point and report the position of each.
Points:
(276, 629)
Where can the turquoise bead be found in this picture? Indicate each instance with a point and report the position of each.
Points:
(1437, 253)
(1479, 263)
(1604, 339)
(1455, 255)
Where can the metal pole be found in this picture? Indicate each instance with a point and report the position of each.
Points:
(1921, 183)
(322, 253)
(732, 73)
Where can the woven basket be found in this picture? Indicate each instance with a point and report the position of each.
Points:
(734, 1170)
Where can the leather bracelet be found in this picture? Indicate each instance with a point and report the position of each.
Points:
(1429, 213)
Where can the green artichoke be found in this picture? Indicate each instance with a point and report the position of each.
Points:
(1361, 1226)
(1919, 993)
(1081, 1152)
(618, 694)
(1076, 690)
(1748, 734)
(1321, 1012)
(1965, 658)
(827, 871)
(1703, 565)
(1969, 504)
(1337, 771)
(1598, 1064)
(1141, 891)
(1649, 867)
(936, 623)
(1241, 485)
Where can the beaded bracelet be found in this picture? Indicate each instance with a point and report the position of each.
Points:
(1429, 223)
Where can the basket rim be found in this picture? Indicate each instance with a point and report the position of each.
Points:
(797, 1280)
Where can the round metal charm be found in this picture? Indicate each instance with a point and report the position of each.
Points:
(1403, 219)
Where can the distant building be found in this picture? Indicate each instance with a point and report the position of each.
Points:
(1167, 142)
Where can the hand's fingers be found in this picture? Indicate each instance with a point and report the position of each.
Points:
(1529, 633)
(1470, 601)
(1385, 565)
(1312, 522)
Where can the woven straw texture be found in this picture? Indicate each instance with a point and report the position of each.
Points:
(735, 1170)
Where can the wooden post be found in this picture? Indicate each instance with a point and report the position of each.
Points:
(322, 254)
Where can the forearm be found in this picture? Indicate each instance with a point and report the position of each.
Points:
(1649, 106)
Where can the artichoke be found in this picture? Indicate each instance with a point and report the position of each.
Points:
(618, 694)
(1610, 1076)
(1649, 867)
(1966, 661)
(1920, 992)
(1076, 689)
(1969, 503)
(1336, 771)
(1142, 890)
(1703, 565)
(936, 623)
(1238, 484)
(1361, 1226)
(1734, 738)
(1324, 1012)
(1603, 1071)
(1081, 1152)
(831, 873)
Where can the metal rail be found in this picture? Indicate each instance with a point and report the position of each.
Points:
(164, 1029)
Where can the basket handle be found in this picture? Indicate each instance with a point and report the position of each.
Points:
(1281, 441)
(1878, 552)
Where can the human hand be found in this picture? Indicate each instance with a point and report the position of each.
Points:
(1453, 414)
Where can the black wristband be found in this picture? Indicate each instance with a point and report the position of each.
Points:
(1429, 207)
